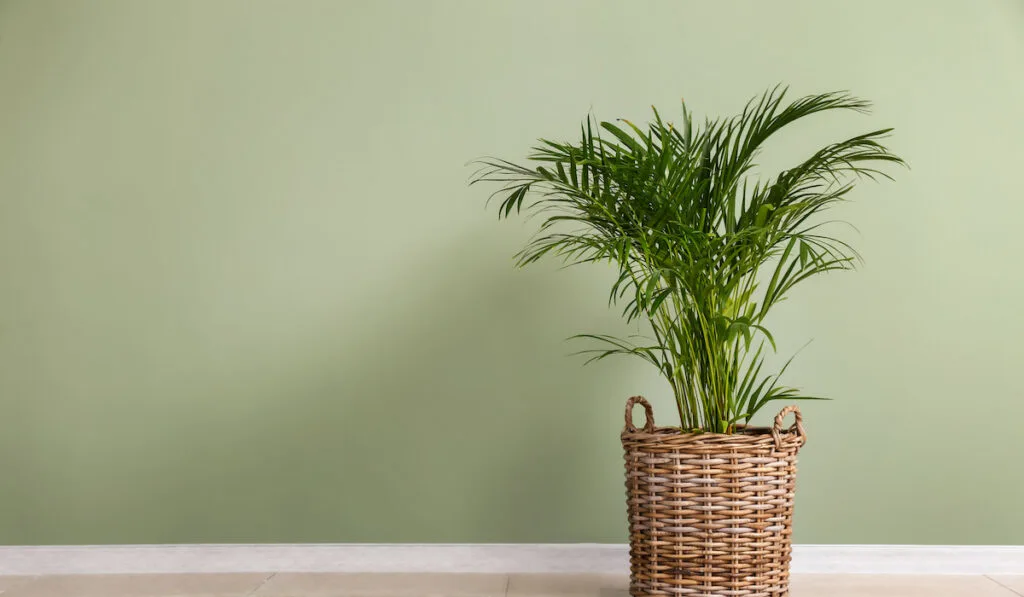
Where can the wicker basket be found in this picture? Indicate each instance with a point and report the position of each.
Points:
(710, 514)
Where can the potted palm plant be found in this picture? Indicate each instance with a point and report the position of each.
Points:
(703, 253)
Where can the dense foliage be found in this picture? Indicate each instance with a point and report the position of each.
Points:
(703, 251)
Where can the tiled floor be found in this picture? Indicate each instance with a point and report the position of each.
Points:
(470, 585)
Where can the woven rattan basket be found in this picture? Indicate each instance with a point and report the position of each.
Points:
(710, 514)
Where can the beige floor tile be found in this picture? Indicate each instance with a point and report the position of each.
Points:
(9, 582)
(384, 585)
(1015, 583)
(570, 585)
(863, 585)
(591, 585)
(140, 585)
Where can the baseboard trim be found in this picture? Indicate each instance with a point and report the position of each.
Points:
(479, 558)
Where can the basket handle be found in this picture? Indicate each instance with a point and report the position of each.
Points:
(797, 427)
(648, 413)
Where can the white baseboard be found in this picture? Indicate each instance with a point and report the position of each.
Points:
(480, 558)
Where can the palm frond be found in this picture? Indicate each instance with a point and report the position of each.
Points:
(703, 251)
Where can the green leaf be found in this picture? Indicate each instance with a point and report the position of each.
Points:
(622, 136)
(704, 247)
(762, 214)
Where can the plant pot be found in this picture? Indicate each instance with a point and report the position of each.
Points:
(710, 514)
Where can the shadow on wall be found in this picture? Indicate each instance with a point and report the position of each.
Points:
(449, 413)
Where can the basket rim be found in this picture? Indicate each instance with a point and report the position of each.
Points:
(794, 436)
(749, 437)
(742, 431)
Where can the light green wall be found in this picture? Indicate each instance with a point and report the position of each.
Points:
(245, 294)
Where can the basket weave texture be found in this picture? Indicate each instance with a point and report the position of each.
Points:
(710, 514)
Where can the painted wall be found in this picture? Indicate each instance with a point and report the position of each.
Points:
(245, 294)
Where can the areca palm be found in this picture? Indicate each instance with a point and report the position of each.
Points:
(703, 252)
